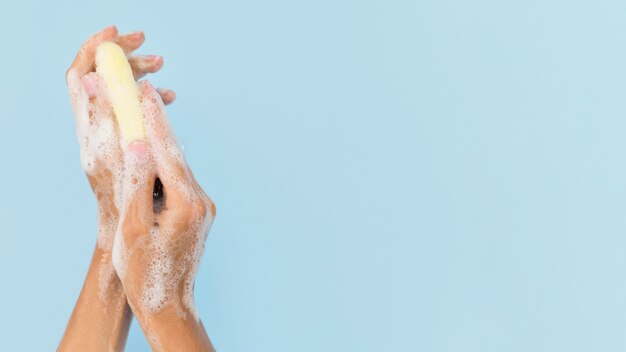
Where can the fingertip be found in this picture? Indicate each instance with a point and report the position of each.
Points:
(109, 32)
(138, 35)
(148, 63)
(136, 154)
(139, 148)
(158, 61)
(139, 38)
(134, 39)
(146, 87)
(148, 92)
(168, 96)
(90, 84)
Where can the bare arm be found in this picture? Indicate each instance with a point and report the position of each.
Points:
(101, 317)
(158, 249)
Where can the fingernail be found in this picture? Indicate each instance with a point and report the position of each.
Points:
(136, 35)
(168, 92)
(157, 62)
(108, 28)
(138, 148)
(151, 62)
(90, 85)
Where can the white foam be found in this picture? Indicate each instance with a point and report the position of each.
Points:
(99, 150)
(168, 272)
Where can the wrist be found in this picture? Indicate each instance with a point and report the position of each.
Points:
(107, 226)
(102, 276)
(171, 325)
(173, 328)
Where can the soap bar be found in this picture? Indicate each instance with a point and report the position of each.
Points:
(113, 68)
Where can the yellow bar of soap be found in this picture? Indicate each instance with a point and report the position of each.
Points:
(113, 68)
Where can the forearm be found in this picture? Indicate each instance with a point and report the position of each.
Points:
(174, 329)
(101, 317)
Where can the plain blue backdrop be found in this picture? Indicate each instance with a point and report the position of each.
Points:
(389, 175)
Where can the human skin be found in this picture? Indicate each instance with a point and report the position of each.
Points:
(156, 251)
(102, 314)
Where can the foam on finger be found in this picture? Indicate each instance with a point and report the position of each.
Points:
(96, 131)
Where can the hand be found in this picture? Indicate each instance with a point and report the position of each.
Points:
(164, 220)
(95, 123)
(101, 317)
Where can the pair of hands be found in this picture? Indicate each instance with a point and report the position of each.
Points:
(153, 216)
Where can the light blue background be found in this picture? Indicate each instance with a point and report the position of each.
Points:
(389, 175)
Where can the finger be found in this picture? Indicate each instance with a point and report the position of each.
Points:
(130, 42)
(91, 83)
(85, 58)
(166, 151)
(87, 99)
(172, 168)
(167, 95)
(141, 65)
(99, 105)
(95, 124)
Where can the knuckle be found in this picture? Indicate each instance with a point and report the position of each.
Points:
(133, 229)
(208, 203)
(198, 208)
(134, 225)
(211, 205)
(186, 214)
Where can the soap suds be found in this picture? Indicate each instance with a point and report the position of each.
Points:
(96, 132)
(168, 270)
(164, 280)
